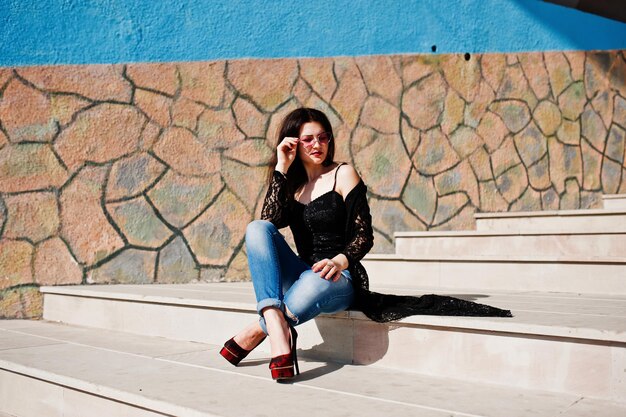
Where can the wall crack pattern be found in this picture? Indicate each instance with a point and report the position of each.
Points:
(149, 173)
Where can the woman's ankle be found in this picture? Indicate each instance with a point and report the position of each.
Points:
(278, 330)
(249, 337)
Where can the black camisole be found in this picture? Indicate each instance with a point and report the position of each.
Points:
(318, 227)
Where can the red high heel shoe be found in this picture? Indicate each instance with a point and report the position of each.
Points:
(286, 366)
(234, 353)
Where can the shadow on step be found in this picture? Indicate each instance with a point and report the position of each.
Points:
(355, 341)
(467, 297)
(314, 373)
(323, 367)
(252, 362)
(348, 342)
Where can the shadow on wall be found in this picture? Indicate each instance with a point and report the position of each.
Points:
(545, 27)
(611, 9)
(570, 21)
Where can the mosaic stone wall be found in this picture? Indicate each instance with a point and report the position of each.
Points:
(149, 173)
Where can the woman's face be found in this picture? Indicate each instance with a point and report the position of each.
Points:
(312, 148)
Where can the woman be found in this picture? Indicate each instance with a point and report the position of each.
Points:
(325, 205)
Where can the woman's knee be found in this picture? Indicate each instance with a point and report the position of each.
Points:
(323, 290)
(258, 229)
(260, 226)
(314, 282)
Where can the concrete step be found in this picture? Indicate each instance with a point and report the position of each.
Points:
(539, 246)
(559, 221)
(57, 370)
(511, 272)
(614, 201)
(565, 343)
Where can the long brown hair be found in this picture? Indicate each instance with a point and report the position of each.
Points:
(290, 127)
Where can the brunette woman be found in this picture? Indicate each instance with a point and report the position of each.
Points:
(311, 193)
(325, 205)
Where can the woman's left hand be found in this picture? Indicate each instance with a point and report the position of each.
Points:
(331, 268)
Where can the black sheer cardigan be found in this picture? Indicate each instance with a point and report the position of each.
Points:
(359, 238)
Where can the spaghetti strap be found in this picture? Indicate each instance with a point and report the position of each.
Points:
(336, 172)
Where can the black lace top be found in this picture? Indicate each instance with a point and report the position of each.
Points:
(328, 225)
(318, 227)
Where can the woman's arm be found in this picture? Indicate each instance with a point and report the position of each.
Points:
(359, 230)
(276, 203)
(347, 182)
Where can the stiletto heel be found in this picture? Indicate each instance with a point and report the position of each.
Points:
(234, 353)
(294, 340)
(283, 366)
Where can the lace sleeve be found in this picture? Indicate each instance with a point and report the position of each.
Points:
(360, 232)
(275, 205)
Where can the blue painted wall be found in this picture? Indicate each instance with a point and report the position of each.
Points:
(109, 31)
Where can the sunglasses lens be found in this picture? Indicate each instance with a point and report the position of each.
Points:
(324, 137)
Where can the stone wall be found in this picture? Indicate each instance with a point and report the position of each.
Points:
(149, 173)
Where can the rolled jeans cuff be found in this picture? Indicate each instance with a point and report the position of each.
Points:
(269, 302)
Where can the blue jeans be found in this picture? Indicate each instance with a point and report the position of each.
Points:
(282, 280)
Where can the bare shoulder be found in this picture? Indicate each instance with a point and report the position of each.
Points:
(347, 179)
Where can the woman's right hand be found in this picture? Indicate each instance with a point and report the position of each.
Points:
(286, 153)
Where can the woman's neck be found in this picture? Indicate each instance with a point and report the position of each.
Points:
(314, 171)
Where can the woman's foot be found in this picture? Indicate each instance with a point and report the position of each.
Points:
(284, 362)
(250, 336)
(238, 347)
(285, 367)
(278, 331)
